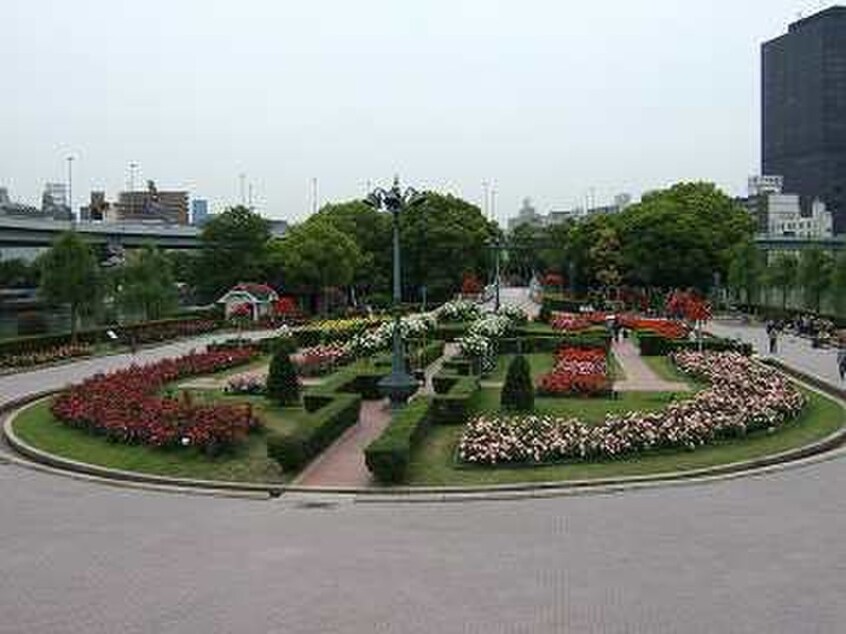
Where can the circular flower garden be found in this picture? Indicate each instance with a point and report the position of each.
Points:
(204, 416)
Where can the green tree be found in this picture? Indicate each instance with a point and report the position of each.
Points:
(283, 386)
(518, 393)
(69, 275)
(442, 239)
(838, 284)
(233, 249)
(315, 256)
(371, 230)
(146, 284)
(815, 269)
(17, 273)
(781, 274)
(745, 271)
(526, 254)
(681, 236)
(605, 255)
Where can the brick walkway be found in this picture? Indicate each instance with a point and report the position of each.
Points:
(639, 376)
(342, 464)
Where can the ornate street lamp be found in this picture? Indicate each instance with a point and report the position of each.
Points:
(398, 385)
(496, 245)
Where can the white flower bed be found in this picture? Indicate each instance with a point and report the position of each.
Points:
(743, 397)
(457, 310)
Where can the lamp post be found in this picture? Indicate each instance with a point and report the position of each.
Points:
(496, 245)
(398, 385)
(69, 159)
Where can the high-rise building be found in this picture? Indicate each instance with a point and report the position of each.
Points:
(199, 211)
(803, 99)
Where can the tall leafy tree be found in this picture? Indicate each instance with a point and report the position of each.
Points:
(371, 231)
(146, 284)
(315, 256)
(815, 268)
(681, 236)
(443, 239)
(781, 274)
(745, 271)
(233, 249)
(69, 275)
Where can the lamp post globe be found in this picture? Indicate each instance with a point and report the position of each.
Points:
(399, 385)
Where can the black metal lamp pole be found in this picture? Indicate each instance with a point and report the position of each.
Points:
(398, 385)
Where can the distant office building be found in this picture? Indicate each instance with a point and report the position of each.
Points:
(526, 216)
(803, 97)
(785, 218)
(152, 205)
(559, 216)
(199, 212)
(278, 228)
(55, 195)
(54, 202)
(759, 185)
(97, 210)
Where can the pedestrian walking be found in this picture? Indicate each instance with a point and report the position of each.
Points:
(773, 340)
(841, 360)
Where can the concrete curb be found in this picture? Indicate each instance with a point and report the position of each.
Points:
(815, 452)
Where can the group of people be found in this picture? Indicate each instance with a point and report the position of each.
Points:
(814, 327)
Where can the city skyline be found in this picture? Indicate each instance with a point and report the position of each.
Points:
(536, 100)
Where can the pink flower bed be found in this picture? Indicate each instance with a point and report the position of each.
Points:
(744, 396)
(124, 405)
(320, 359)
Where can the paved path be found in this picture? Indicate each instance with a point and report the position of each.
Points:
(745, 556)
(639, 376)
(792, 350)
(342, 464)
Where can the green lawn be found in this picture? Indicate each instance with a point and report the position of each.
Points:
(433, 463)
(246, 463)
(664, 368)
(539, 362)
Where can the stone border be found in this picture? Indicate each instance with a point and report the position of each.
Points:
(67, 466)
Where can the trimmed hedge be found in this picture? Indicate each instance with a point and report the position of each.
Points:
(551, 343)
(452, 406)
(143, 332)
(388, 456)
(450, 331)
(293, 451)
(654, 345)
(459, 366)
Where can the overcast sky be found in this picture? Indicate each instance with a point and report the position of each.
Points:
(546, 99)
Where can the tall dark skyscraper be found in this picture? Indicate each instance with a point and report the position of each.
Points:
(803, 100)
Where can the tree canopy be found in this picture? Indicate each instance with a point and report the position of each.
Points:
(234, 249)
(69, 275)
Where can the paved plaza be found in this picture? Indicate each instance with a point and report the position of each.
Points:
(750, 555)
(792, 350)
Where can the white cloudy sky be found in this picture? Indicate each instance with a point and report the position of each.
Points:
(544, 98)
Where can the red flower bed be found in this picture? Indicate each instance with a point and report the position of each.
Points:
(125, 407)
(575, 322)
(664, 327)
(578, 372)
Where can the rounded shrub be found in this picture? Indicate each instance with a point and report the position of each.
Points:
(518, 393)
(283, 385)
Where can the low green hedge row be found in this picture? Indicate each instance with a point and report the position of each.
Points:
(143, 332)
(556, 303)
(547, 343)
(654, 345)
(294, 450)
(388, 456)
(458, 365)
(452, 406)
